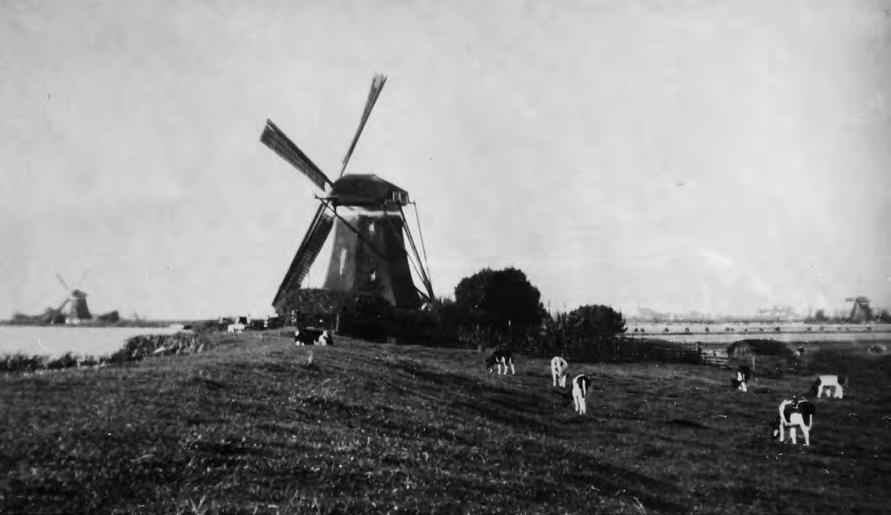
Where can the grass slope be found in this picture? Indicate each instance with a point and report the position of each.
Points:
(250, 427)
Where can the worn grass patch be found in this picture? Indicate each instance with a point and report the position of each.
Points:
(251, 426)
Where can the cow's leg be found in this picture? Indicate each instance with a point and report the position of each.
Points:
(839, 393)
(513, 371)
(782, 431)
(584, 403)
(793, 432)
(743, 387)
(563, 381)
(807, 436)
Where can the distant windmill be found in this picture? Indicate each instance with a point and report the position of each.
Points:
(860, 311)
(78, 311)
(369, 252)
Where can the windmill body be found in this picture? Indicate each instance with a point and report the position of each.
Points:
(369, 252)
(78, 312)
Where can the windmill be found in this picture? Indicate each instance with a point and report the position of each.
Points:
(860, 311)
(370, 228)
(78, 311)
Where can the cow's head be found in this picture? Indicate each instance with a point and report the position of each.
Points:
(490, 363)
(815, 386)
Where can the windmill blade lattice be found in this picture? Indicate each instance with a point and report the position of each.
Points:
(377, 84)
(307, 252)
(274, 138)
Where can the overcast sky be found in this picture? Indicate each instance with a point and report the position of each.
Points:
(687, 155)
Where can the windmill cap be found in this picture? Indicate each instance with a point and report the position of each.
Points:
(366, 190)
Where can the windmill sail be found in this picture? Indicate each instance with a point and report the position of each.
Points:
(306, 254)
(377, 84)
(275, 139)
(62, 281)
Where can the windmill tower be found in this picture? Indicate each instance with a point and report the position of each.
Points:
(77, 312)
(860, 311)
(367, 213)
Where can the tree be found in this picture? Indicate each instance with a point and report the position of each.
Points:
(594, 328)
(501, 300)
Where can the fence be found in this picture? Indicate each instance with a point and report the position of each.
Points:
(638, 349)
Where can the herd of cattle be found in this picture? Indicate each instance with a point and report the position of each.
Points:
(793, 415)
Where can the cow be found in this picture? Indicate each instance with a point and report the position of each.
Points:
(741, 381)
(580, 386)
(498, 358)
(829, 381)
(312, 337)
(558, 371)
(794, 414)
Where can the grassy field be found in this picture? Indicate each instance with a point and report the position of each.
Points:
(251, 427)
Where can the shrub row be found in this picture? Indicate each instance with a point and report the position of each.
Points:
(21, 363)
(144, 346)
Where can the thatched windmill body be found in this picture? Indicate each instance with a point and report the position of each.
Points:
(367, 213)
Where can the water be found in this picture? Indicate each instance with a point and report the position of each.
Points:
(54, 341)
(694, 332)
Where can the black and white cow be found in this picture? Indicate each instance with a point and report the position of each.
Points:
(580, 386)
(741, 381)
(501, 357)
(794, 414)
(559, 366)
(825, 382)
(312, 337)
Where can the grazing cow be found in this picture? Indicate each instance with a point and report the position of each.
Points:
(794, 414)
(236, 328)
(312, 337)
(558, 371)
(741, 381)
(580, 386)
(829, 381)
(500, 357)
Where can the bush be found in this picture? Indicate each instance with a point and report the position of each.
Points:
(745, 348)
(19, 362)
(64, 361)
(500, 300)
(143, 346)
(371, 317)
(594, 330)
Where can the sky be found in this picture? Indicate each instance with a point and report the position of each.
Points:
(715, 156)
